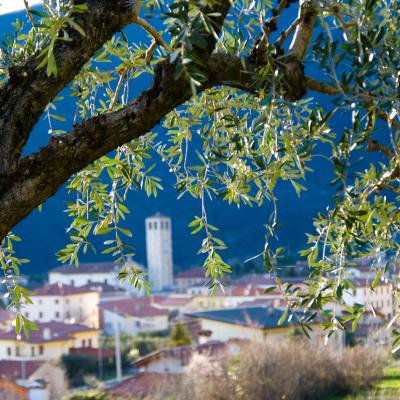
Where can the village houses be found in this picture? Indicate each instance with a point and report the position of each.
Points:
(64, 303)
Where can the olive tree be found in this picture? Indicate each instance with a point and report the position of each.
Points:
(238, 111)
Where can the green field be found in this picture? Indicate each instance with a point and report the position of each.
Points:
(387, 388)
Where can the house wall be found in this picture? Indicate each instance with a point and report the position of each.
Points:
(133, 325)
(80, 279)
(224, 331)
(184, 283)
(85, 339)
(31, 351)
(162, 365)
(78, 308)
(55, 378)
(381, 298)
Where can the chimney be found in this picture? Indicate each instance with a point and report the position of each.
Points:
(46, 334)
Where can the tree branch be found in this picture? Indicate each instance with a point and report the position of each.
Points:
(29, 90)
(307, 15)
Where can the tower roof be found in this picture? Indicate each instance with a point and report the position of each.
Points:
(157, 215)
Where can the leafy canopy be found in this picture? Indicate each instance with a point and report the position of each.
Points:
(235, 140)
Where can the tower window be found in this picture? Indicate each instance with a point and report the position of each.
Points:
(149, 225)
(155, 225)
(162, 225)
(166, 225)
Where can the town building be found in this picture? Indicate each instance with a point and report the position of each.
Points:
(133, 315)
(25, 375)
(159, 251)
(173, 360)
(49, 342)
(141, 385)
(88, 273)
(255, 323)
(64, 303)
(192, 277)
(377, 300)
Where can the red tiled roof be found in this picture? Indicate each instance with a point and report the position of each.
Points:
(92, 352)
(60, 289)
(134, 307)
(197, 272)
(244, 290)
(10, 369)
(142, 384)
(174, 301)
(101, 287)
(58, 331)
(6, 315)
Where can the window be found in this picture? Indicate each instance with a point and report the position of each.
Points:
(105, 281)
(56, 301)
(57, 314)
(27, 315)
(67, 315)
(83, 343)
(162, 225)
(9, 351)
(166, 225)
(41, 350)
(32, 351)
(149, 226)
(90, 342)
(40, 301)
(155, 225)
(137, 324)
(72, 282)
(17, 351)
(66, 301)
(40, 315)
(89, 281)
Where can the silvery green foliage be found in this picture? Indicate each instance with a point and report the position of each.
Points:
(233, 146)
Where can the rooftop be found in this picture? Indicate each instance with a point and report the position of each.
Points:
(101, 287)
(60, 289)
(87, 268)
(197, 272)
(259, 317)
(13, 369)
(142, 384)
(48, 332)
(134, 307)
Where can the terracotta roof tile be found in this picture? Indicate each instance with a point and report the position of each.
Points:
(57, 331)
(134, 307)
(60, 289)
(142, 384)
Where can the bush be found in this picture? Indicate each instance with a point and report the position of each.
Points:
(78, 367)
(291, 370)
(88, 395)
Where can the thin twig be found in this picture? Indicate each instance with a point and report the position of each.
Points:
(147, 27)
(28, 13)
(284, 34)
(118, 89)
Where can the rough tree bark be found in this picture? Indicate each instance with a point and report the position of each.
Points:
(25, 182)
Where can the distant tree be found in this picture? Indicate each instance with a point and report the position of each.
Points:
(78, 367)
(179, 336)
(239, 111)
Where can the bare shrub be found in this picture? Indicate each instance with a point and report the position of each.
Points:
(300, 370)
(291, 370)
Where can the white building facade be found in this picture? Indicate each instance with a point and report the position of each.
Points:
(159, 251)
